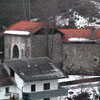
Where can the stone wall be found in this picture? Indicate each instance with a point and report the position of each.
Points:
(41, 45)
(38, 45)
(55, 50)
(10, 41)
(7, 47)
(81, 58)
(73, 58)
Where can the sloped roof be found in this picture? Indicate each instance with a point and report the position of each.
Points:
(4, 77)
(79, 33)
(27, 26)
(35, 69)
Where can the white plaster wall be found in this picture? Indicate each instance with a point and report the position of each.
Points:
(18, 80)
(11, 89)
(39, 85)
(26, 86)
(20, 84)
(20, 42)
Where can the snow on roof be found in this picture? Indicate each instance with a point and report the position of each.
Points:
(78, 39)
(75, 77)
(1, 52)
(14, 32)
(34, 19)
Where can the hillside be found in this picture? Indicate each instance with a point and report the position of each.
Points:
(66, 13)
(81, 21)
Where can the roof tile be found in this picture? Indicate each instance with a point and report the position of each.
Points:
(78, 33)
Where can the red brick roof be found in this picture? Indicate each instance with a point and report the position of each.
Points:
(78, 33)
(27, 26)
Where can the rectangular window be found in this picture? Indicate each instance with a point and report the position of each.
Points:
(33, 88)
(46, 98)
(6, 90)
(46, 86)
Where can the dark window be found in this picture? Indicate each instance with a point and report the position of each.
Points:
(46, 86)
(33, 88)
(15, 52)
(46, 98)
(7, 90)
(11, 73)
(22, 53)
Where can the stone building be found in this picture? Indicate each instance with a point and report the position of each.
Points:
(81, 51)
(70, 49)
(32, 39)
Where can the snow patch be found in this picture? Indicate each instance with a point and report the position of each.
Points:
(75, 77)
(93, 88)
(60, 21)
(97, 4)
(78, 39)
(34, 19)
(14, 32)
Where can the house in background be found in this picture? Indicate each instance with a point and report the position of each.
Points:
(7, 86)
(31, 79)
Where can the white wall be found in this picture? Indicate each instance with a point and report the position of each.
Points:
(2, 91)
(39, 85)
(20, 84)
(26, 86)
(18, 80)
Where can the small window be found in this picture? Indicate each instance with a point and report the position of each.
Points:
(46, 86)
(11, 73)
(33, 87)
(22, 52)
(15, 52)
(46, 98)
(6, 90)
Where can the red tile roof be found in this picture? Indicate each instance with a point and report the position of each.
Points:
(78, 33)
(33, 27)
(27, 26)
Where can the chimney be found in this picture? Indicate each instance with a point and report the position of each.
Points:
(92, 35)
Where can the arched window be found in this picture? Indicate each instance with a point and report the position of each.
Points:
(15, 51)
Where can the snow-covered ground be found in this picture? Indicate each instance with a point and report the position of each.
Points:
(75, 77)
(97, 4)
(80, 21)
(92, 88)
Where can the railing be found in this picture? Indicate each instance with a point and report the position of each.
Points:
(45, 94)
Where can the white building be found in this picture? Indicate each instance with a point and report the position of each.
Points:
(35, 78)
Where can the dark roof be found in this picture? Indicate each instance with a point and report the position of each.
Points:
(35, 69)
(4, 77)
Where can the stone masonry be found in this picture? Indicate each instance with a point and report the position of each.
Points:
(81, 58)
(73, 58)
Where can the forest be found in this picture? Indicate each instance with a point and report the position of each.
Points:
(12, 11)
